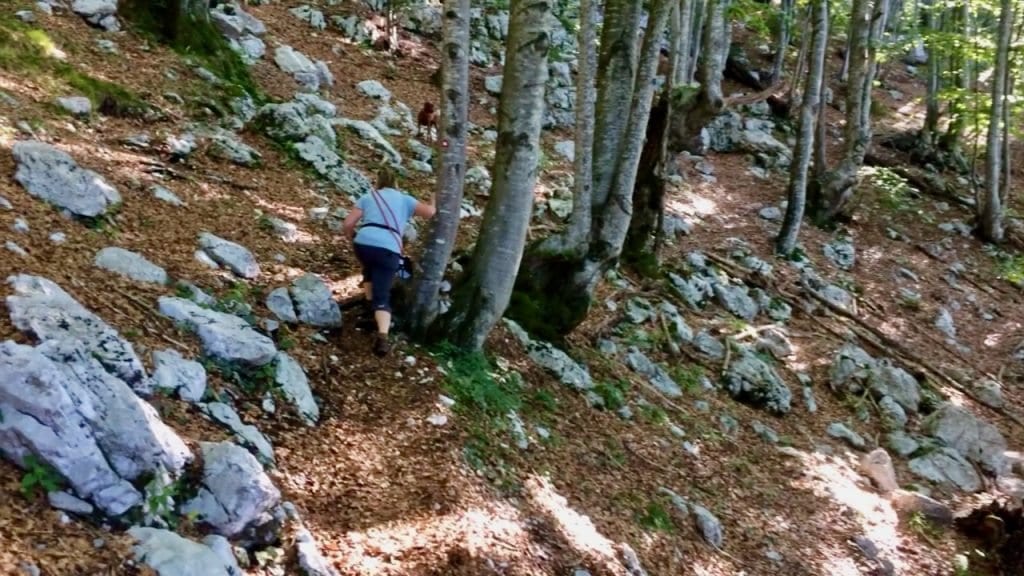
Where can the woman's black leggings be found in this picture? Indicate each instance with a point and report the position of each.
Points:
(379, 268)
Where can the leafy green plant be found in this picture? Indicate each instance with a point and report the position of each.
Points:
(471, 381)
(655, 517)
(38, 476)
(923, 527)
(688, 376)
(254, 381)
(654, 414)
(612, 393)
(159, 502)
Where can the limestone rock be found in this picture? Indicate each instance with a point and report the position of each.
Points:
(100, 13)
(314, 303)
(292, 381)
(60, 405)
(52, 175)
(751, 380)
(555, 361)
(655, 374)
(841, 431)
(165, 195)
(69, 503)
(171, 555)
(224, 336)
(175, 373)
(131, 265)
(280, 303)
(374, 89)
(76, 105)
(41, 308)
(947, 466)
(916, 503)
(246, 434)
(226, 253)
(975, 439)
(236, 493)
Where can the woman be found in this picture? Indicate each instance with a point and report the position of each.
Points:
(382, 216)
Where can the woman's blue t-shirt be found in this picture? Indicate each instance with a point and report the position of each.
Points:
(375, 211)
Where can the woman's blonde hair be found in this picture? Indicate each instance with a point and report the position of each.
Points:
(385, 177)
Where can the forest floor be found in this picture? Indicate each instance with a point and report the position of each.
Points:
(387, 490)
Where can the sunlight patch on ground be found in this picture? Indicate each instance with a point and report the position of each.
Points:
(837, 479)
(493, 535)
(347, 287)
(297, 213)
(576, 528)
(692, 204)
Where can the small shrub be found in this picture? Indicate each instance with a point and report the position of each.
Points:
(688, 376)
(612, 393)
(255, 381)
(656, 518)
(38, 476)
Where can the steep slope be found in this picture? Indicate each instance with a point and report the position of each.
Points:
(394, 480)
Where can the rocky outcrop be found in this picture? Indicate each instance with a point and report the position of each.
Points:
(972, 437)
(224, 336)
(246, 434)
(235, 494)
(308, 74)
(171, 555)
(314, 303)
(235, 257)
(52, 175)
(293, 384)
(99, 13)
(174, 373)
(751, 380)
(41, 308)
(61, 406)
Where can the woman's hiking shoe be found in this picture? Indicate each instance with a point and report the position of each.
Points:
(381, 346)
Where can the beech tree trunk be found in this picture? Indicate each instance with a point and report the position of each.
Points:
(616, 73)
(990, 208)
(785, 243)
(692, 109)
(450, 176)
(950, 141)
(838, 185)
(929, 134)
(782, 41)
(801, 59)
(574, 241)
(683, 47)
(482, 298)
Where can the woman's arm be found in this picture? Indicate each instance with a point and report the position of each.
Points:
(424, 210)
(349, 227)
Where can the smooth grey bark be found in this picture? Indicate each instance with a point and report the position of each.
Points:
(683, 48)
(618, 210)
(782, 40)
(482, 299)
(696, 36)
(950, 141)
(786, 241)
(801, 58)
(990, 208)
(616, 74)
(574, 241)
(929, 133)
(866, 22)
(450, 177)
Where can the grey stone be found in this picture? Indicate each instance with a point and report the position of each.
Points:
(171, 555)
(234, 23)
(75, 105)
(655, 374)
(12, 246)
(775, 342)
(329, 165)
(947, 466)
(26, 16)
(841, 431)
(222, 548)
(311, 561)
(224, 336)
(20, 226)
(809, 402)
(296, 120)
(175, 373)
(314, 303)
(310, 15)
(58, 237)
(233, 256)
(283, 229)
(6, 204)
(737, 300)
(59, 404)
(901, 443)
(293, 384)
(770, 213)
(182, 146)
(989, 393)
(854, 370)
(944, 322)
(750, 380)
(841, 253)
(893, 415)
(299, 66)
(374, 89)
(974, 438)
(639, 311)
(53, 176)
(227, 146)
(493, 85)
(566, 149)
(247, 434)
(877, 465)
(765, 432)
(555, 361)
(236, 493)
(708, 345)
(479, 179)
(368, 133)
(678, 329)
(250, 48)
(69, 503)
(99, 13)
(911, 503)
(204, 259)
(280, 303)
(130, 265)
(425, 19)
(41, 308)
(708, 525)
(165, 195)
(695, 290)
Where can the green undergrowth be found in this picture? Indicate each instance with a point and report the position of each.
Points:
(198, 41)
(254, 381)
(28, 51)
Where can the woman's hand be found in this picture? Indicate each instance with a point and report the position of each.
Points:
(349, 227)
